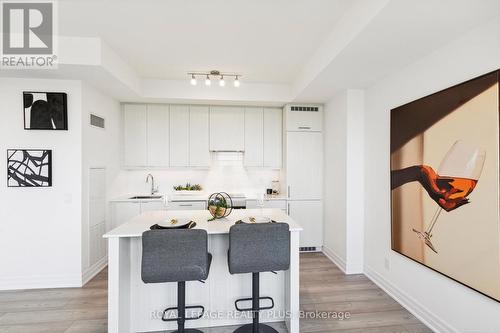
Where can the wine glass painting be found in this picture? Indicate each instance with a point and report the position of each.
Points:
(445, 182)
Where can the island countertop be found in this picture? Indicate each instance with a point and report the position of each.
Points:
(136, 226)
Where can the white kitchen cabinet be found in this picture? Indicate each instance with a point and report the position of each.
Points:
(227, 128)
(124, 211)
(273, 138)
(307, 118)
(179, 135)
(277, 204)
(309, 214)
(134, 135)
(158, 135)
(187, 205)
(304, 165)
(254, 137)
(199, 150)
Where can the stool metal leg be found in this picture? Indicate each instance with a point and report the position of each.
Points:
(181, 310)
(255, 327)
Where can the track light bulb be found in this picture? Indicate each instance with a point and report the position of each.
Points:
(222, 83)
(207, 81)
(193, 80)
(236, 82)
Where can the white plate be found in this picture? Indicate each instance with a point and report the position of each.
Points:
(181, 222)
(256, 219)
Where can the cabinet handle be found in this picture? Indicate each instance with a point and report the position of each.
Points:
(288, 191)
(186, 205)
(304, 127)
(288, 209)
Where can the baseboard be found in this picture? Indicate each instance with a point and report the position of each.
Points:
(336, 259)
(418, 310)
(94, 270)
(40, 282)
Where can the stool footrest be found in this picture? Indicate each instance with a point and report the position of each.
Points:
(187, 307)
(251, 309)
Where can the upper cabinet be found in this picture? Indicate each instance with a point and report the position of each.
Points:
(162, 136)
(254, 137)
(179, 135)
(304, 118)
(273, 137)
(227, 128)
(199, 150)
(135, 135)
(157, 135)
(263, 137)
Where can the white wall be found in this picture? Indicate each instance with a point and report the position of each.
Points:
(335, 143)
(344, 180)
(443, 304)
(40, 234)
(100, 149)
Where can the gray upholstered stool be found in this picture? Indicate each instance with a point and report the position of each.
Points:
(176, 256)
(256, 248)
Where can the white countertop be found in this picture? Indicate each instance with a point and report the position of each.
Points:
(186, 198)
(141, 223)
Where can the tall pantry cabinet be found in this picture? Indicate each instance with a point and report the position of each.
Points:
(303, 140)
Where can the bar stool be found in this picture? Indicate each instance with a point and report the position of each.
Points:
(176, 256)
(256, 248)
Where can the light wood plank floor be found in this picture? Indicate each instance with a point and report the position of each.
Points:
(323, 287)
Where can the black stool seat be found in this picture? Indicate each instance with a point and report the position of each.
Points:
(177, 255)
(256, 248)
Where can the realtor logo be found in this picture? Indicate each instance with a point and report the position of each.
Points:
(27, 34)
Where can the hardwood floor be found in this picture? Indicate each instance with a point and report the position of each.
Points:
(323, 287)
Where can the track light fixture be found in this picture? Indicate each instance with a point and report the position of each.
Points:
(216, 74)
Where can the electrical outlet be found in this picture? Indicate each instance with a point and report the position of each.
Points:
(387, 264)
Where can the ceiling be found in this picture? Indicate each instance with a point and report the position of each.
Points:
(266, 41)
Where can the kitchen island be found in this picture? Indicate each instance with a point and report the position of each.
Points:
(134, 306)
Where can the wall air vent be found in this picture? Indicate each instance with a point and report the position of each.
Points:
(305, 108)
(97, 121)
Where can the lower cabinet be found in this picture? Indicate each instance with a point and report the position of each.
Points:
(124, 211)
(278, 204)
(309, 215)
(187, 205)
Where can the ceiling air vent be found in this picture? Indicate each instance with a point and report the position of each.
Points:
(305, 108)
(96, 121)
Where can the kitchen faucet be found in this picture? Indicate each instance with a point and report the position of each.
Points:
(153, 188)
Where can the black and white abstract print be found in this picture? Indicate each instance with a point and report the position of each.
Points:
(45, 111)
(29, 168)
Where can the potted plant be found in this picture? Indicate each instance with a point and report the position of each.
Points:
(188, 189)
(217, 207)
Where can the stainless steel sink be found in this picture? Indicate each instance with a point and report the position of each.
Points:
(147, 197)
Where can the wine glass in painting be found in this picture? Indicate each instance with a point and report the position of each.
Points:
(456, 178)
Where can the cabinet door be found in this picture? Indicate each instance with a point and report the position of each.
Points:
(149, 206)
(273, 137)
(179, 135)
(199, 150)
(157, 134)
(227, 127)
(309, 215)
(254, 137)
(124, 211)
(134, 135)
(304, 165)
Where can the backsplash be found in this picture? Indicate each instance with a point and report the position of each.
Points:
(225, 177)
